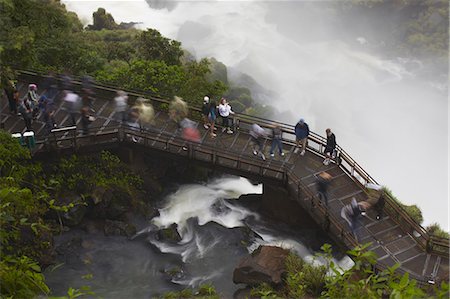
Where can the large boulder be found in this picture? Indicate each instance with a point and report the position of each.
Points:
(169, 234)
(265, 264)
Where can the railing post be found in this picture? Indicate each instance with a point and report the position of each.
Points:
(75, 138)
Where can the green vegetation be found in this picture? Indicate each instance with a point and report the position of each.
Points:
(47, 37)
(416, 214)
(423, 30)
(28, 195)
(204, 291)
(360, 281)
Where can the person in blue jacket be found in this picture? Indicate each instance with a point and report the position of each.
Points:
(301, 135)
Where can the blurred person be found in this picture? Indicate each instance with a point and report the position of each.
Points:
(225, 111)
(352, 212)
(134, 122)
(301, 136)
(49, 116)
(50, 85)
(323, 181)
(86, 120)
(10, 90)
(330, 147)
(73, 103)
(88, 92)
(145, 110)
(277, 140)
(121, 101)
(257, 135)
(190, 131)
(66, 84)
(178, 110)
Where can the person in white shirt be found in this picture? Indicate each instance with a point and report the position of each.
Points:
(73, 102)
(121, 101)
(225, 111)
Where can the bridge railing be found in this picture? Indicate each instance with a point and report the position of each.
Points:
(168, 142)
(316, 144)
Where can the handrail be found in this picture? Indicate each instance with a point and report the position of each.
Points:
(346, 162)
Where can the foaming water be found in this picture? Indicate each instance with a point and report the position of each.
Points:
(198, 200)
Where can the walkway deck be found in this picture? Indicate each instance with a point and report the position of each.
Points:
(395, 239)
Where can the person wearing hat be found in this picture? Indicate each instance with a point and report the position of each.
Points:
(301, 136)
(205, 112)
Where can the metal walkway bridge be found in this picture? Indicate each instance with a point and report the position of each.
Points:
(396, 238)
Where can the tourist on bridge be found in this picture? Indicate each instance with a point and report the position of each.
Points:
(323, 181)
(73, 103)
(86, 120)
(26, 109)
(330, 148)
(257, 135)
(50, 86)
(212, 116)
(121, 101)
(11, 93)
(352, 214)
(277, 140)
(205, 112)
(225, 111)
(33, 99)
(377, 199)
(190, 131)
(48, 112)
(301, 136)
(67, 84)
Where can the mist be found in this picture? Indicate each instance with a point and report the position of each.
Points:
(390, 113)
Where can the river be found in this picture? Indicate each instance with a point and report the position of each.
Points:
(217, 230)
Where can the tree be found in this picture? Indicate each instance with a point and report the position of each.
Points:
(151, 45)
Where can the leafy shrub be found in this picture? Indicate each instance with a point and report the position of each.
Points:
(21, 278)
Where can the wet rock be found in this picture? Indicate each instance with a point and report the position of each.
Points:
(112, 203)
(265, 264)
(119, 228)
(174, 273)
(74, 215)
(169, 234)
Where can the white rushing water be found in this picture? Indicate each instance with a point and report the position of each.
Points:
(217, 231)
(207, 203)
(391, 119)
